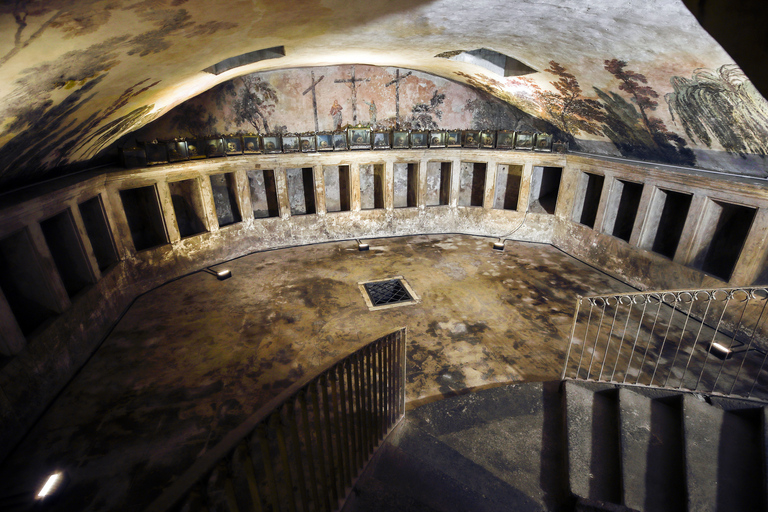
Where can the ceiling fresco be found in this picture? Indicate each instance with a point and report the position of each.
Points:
(639, 79)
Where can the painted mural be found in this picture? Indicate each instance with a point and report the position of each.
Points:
(640, 80)
(331, 98)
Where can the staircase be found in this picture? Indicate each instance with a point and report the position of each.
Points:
(572, 446)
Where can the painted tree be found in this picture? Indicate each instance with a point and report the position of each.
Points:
(633, 130)
(723, 104)
(255, 102)
(421, 113)
(567, 109)
(194, 119)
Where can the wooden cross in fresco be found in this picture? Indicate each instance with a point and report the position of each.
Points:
(353, 81)
(396, 81)
(314, 96)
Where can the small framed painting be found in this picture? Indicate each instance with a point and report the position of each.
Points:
(340, 141)
(524, 141)
(132, 156)
(307, 142)
(359, 137)
(214, 147)
(251, 144)
(290, 143)
(419, 139)
(471, 139)
(272, 143)
(437, 139)
(559, 147)
(543, 142)
(156, 153)
(400, 140)
(324, 141)
(233, 145)
(453, 139)
(194, 149)
(505, 139)
(488, 139)
(381, 140)
(177, 150)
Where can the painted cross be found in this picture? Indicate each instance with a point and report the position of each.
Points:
(314, 96)
(396, 81)
(353, 81)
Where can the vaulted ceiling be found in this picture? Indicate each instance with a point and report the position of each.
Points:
(76, 75)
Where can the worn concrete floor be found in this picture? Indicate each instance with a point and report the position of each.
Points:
(192, 359)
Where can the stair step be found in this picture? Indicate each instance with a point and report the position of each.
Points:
(594, 458)
(652, 452)
(724, 457)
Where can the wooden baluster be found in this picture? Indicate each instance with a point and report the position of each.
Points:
(250, 476)
(310, 452)
(329, 438)
(325, 466)
(266, 459)
(287, 479)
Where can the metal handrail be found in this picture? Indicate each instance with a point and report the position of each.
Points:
(711, 341)
(310, 442)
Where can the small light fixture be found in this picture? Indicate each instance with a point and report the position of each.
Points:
(720, 351)
(53, 485)
(499, 246)
(220, 274)
(362, 246)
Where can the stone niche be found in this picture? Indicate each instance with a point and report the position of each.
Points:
(405, 186)
(337, 189)
(438, 192)
(508, 178)
(472, 183)
(372, 178)
(263, 191)
(301, 190)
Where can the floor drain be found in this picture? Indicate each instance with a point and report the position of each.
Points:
(387, 293)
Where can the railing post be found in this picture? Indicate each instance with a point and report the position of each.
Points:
(570, 338)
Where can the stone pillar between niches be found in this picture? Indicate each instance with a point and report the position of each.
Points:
(604, 195)
(525, 187)
(90, 256)
(48, 268)
(209, 204)
(389, 185)
(642, 211)
(119, 221)
(319, 186)
(284, 203)
(490, 183)
(168, 211)
(421, 191)
(243, 194)
(455, 182)
(354, 187)
(688, 244)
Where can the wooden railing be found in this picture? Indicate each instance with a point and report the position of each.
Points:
(711, 341)
(305, 448)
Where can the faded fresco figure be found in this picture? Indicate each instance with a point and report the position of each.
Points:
(336, 114)
(372, 111)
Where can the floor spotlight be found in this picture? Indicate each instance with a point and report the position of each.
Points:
(220, 274)
(362, 246)
(720, 351)
(53, 486)
(499, 246)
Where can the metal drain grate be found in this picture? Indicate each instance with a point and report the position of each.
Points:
(383, 293)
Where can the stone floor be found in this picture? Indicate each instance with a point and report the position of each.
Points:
(192, 359)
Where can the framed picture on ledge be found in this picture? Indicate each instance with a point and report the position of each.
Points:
(177, 150)
(290, 143)
(307, 143)
(340, 141)
(400, 140)
(505, 139)
(325, 141)
(419, 139)
(251, 144)
(471, 139)
(359, 137)
(437, 139)
(543, 142)
(524, 141)
(381, 140)
(488, 139)
(272, 143)
(453, 139)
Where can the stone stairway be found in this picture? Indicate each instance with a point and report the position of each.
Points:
(571, 447)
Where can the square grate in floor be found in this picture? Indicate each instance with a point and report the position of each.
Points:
(387, 293)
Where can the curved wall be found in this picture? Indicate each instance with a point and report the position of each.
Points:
(83, 281)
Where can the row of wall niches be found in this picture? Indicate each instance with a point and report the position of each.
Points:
(722, 229)
(79, 240)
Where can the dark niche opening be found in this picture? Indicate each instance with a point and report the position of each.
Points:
(666, 220)
(188, 205)
(545, 188)
(728, 225)
(508, 178)
(405, 184)
(67, 251)
(225, 198)
(623, 209)
(145, 219)
(438, 191)
(337, 191)
(23, 283)
(99, 233)
(592, 188)
(301, 191)
(263, 193)
(472, 183)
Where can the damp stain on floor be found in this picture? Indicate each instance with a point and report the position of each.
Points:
(192, 359)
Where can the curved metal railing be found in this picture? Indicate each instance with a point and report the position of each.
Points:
(308, 444)
(712, 341)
